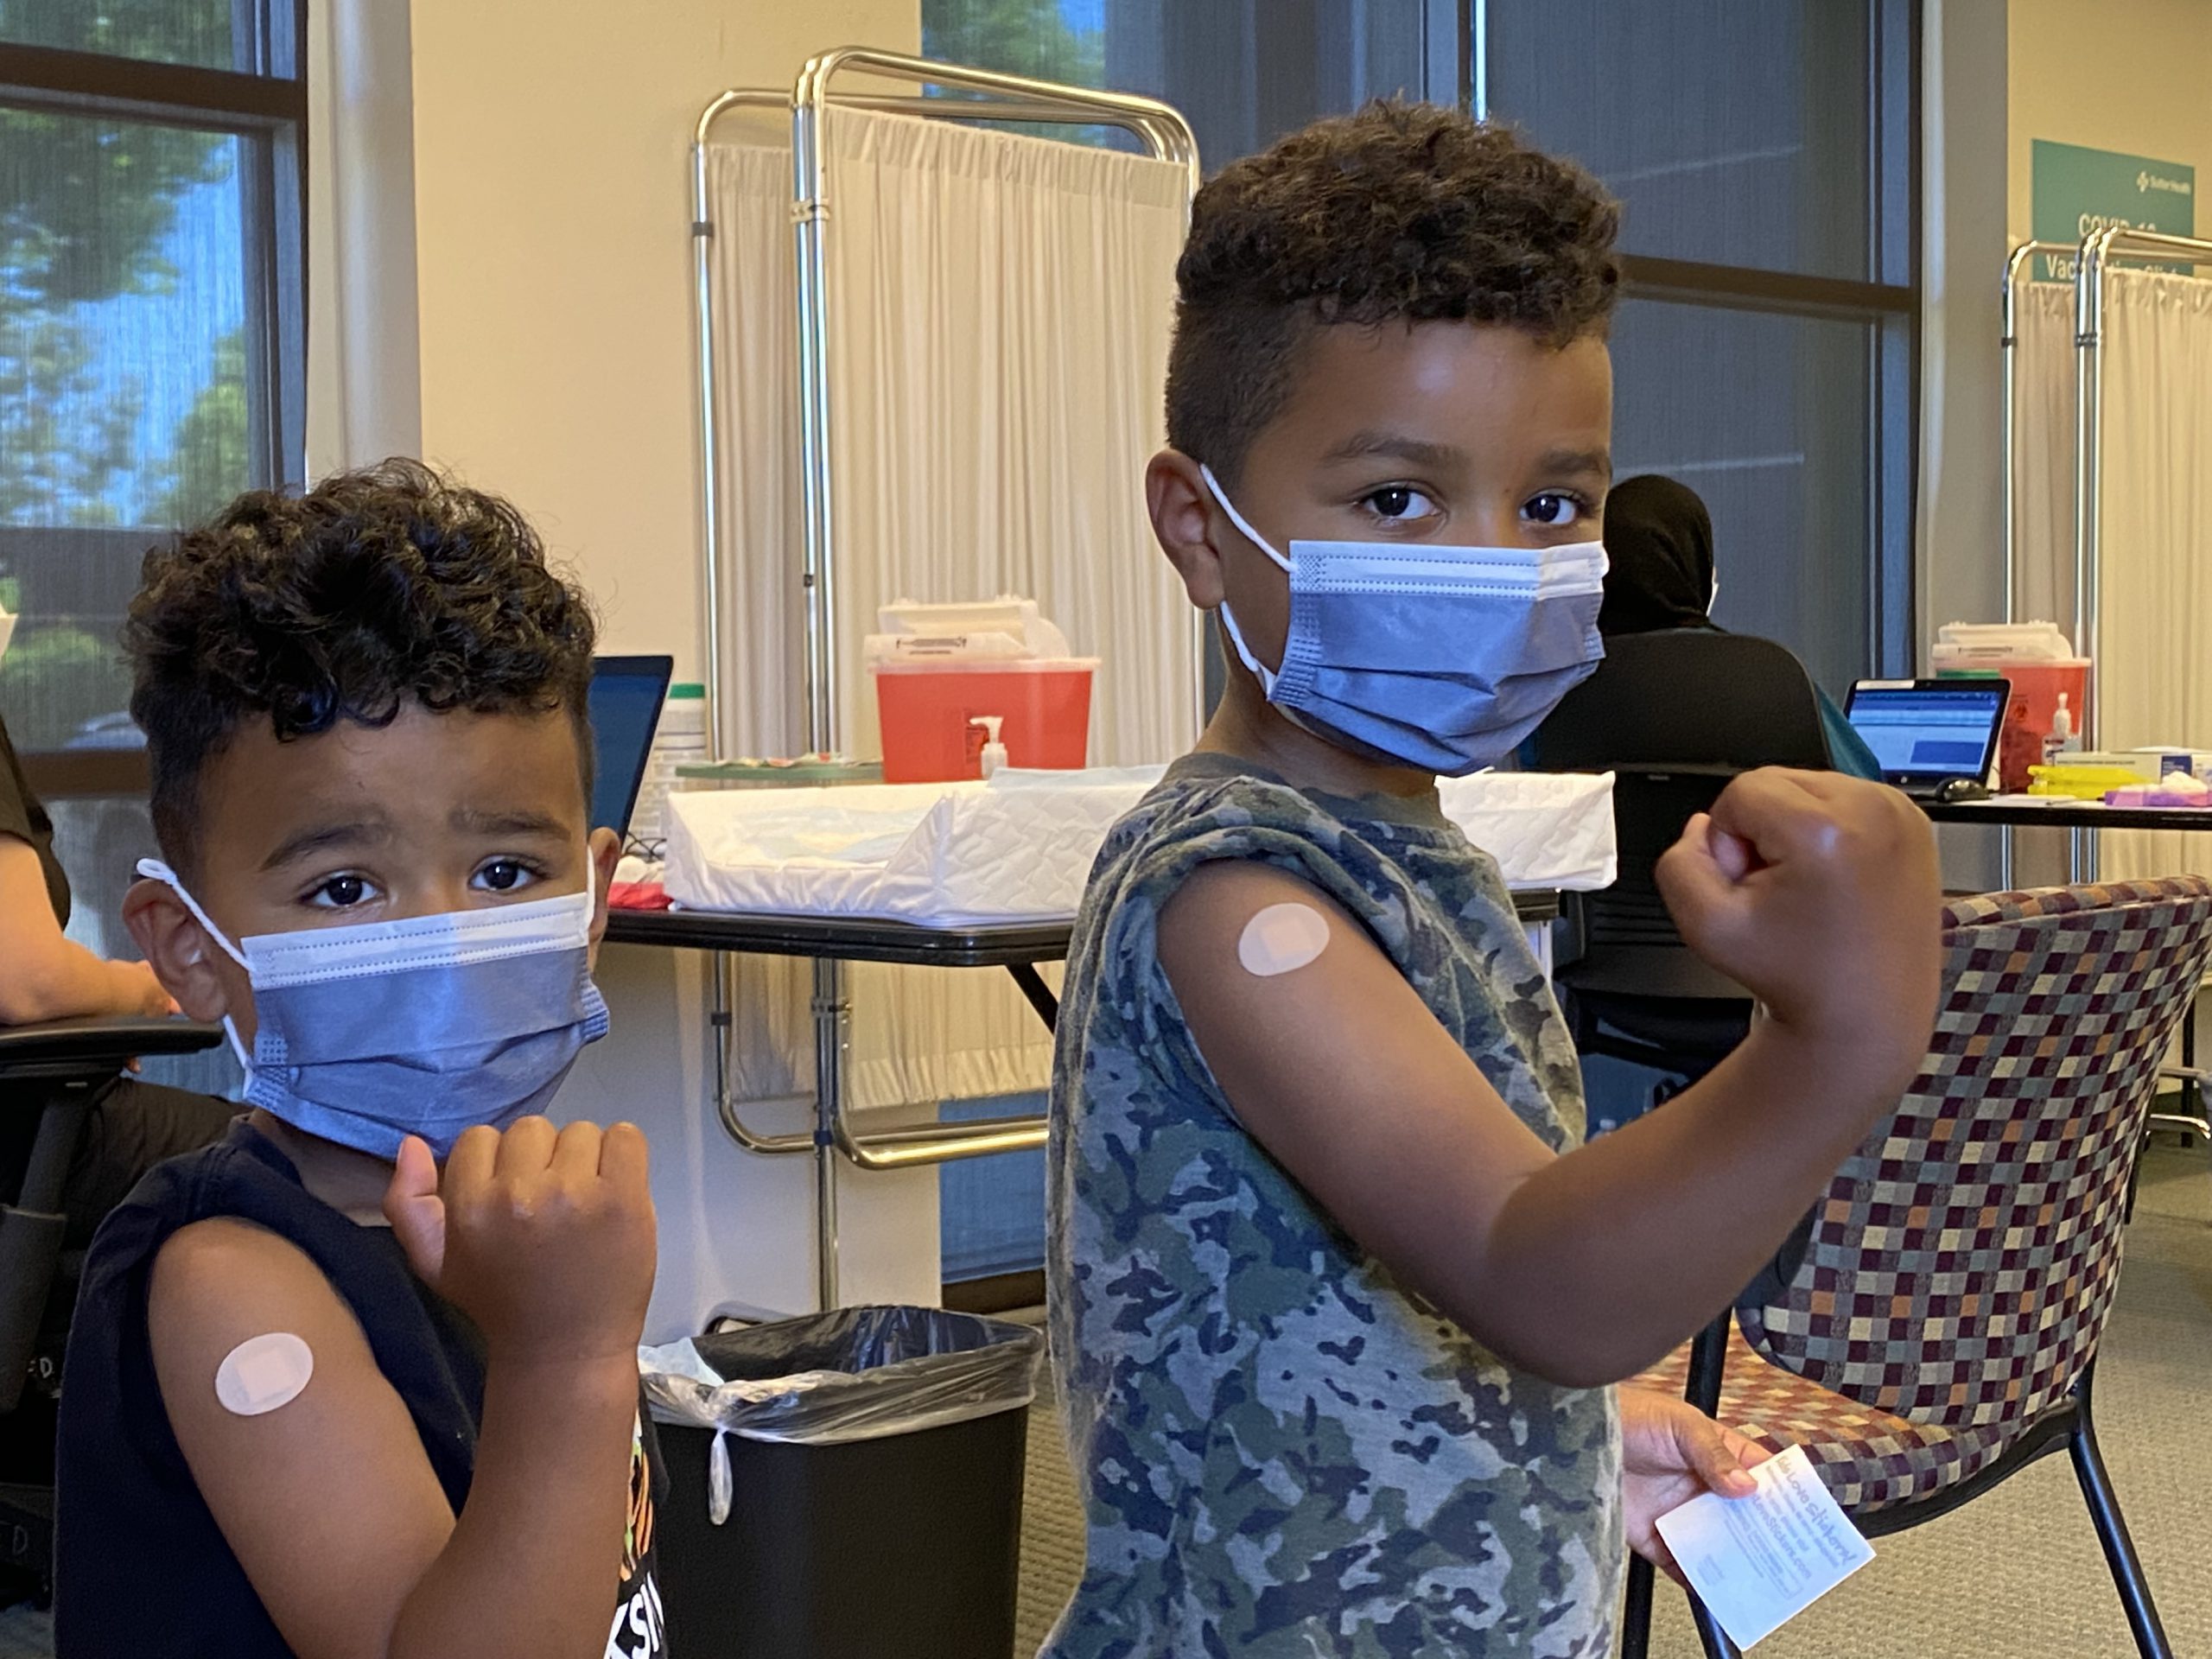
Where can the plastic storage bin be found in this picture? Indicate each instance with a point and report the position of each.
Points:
(928, 710)
(870, 1477)
(2039, 661)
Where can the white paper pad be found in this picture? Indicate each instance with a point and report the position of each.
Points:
(1760, 1560)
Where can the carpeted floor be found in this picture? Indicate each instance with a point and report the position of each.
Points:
(2017, 1574)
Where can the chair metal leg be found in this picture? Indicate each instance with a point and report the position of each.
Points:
(1635, 1617)
(1709, 1633)
(1635, 1609)
(2112, 1532)
(1709, 1358)
(2192, 1098)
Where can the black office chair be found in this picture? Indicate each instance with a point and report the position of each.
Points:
(1674, 716)
(51, 1074)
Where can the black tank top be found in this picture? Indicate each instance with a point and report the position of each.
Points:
(141, 1570)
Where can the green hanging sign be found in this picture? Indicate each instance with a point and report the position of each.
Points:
(2078, 191)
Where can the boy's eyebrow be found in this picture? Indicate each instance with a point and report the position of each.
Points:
(1363, 445)
(322, 837)
(478, 821)
(1597, 463)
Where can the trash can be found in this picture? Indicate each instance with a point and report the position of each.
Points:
(844, 1485)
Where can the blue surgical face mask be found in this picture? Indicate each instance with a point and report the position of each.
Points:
(1443, 658)
(367, 1033)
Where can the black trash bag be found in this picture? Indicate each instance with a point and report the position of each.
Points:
(851, 1373)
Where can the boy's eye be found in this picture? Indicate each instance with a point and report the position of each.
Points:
(504, 875)
(1552, 509)
(341, 893)
(1398, 501)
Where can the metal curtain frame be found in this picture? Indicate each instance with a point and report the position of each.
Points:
(2015, 267)
(2093, 257)
(2016, 270)
(1014, 99)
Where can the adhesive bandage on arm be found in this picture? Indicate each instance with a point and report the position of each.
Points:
(262, 1373)
(1282, 939)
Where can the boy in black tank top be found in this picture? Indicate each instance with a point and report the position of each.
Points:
(361, 1380)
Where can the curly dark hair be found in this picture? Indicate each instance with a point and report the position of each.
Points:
(1407, 213)
(377, 587)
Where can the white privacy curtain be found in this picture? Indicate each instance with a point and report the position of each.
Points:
(2154, 673)
(756, 456)
(998, 312)
(2043, 454)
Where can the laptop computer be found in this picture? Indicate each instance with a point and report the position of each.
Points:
(1928, 733)
(626, 695)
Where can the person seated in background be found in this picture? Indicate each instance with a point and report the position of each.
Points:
(361, 1379)
(45, 974)
(1660, 576)
(1338, 1294)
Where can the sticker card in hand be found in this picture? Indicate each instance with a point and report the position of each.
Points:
(1757, 1562)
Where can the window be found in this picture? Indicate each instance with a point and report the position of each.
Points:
(1767, 416)
(152, 338)
(1764, 155)
(152, 350)
(1243, 72)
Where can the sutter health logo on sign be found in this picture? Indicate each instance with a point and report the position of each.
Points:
(2080, 191)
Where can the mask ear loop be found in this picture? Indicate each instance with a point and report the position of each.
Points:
(154, 870)
(1260, 670)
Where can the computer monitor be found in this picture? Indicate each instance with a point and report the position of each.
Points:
(626, 695)
(1924, 732)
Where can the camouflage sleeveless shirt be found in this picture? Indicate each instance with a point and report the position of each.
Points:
(1280, 1450)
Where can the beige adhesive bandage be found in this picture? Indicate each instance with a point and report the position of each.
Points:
(1280, 938)
(262, 1373)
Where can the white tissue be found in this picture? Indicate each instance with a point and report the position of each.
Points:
(678, 1358)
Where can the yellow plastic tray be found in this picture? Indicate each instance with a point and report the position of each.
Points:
(2082, 783)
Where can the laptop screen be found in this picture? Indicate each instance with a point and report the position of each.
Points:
(1927, 730)
(626, 694)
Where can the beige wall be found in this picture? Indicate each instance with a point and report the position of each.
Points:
(553, 259)
(2131, 75)
(551, 221)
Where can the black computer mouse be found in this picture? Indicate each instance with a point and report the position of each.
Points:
(1951, 791)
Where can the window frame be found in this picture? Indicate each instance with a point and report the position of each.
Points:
(268, 108)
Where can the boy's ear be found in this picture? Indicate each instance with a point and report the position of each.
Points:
(1183, 516)
(181, 955)
(606, 853)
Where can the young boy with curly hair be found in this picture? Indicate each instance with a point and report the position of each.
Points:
(1338, 1296)
(361, 1379)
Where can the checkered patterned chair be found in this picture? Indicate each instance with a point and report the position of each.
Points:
(1941, 1332)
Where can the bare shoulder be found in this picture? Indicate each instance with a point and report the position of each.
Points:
(213, 1272)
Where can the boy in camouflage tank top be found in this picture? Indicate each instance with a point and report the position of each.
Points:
(1337, 1295)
